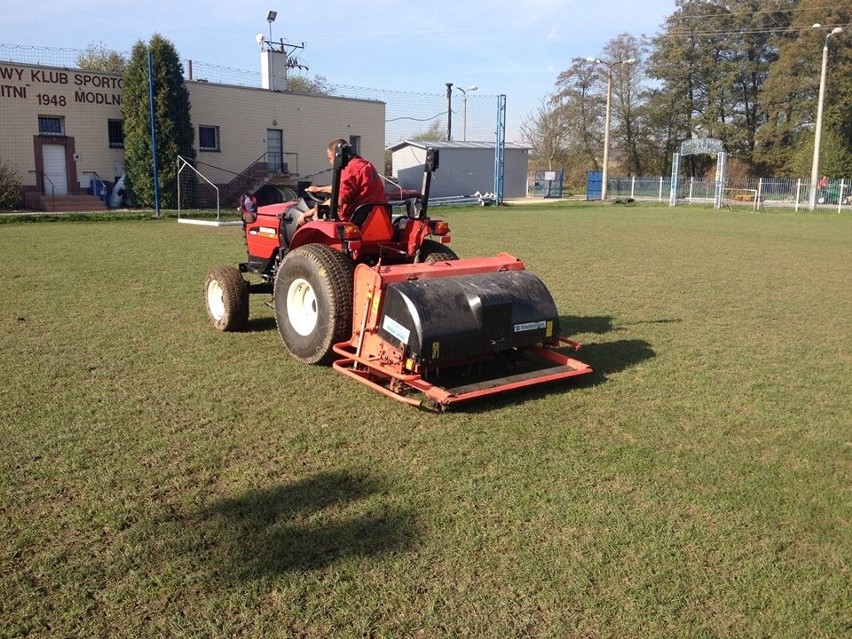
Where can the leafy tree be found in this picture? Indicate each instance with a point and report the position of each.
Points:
(580, 114)
(684, 62)
(743, 71)
(759, 28)
(96, 57)
(835, 160)
(715, 56)
(567, 129)
(626, 79)
(434, 132)
(174, 130)
(11, 186)
(662, 129)
(545, 130)
(318, 85)
(791, 91)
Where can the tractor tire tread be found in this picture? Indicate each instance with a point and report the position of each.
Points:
(235, 296)
(334, 272)
(432, 251)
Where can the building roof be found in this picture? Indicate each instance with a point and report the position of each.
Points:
(453, 144)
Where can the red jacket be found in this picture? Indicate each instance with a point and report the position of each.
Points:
(359, 184)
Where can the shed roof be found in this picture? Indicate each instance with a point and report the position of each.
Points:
(453, 144)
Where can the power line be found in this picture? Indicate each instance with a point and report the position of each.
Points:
(758, 12)
(722, 32)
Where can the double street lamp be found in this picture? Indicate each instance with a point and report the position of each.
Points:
(818, 132)
(609, 67)
(464, 109)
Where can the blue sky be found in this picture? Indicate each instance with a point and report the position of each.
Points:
(514, 48)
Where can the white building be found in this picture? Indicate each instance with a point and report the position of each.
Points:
(463, 167)
(61, 130)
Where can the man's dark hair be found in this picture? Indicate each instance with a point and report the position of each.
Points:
(333, 144)
(346, 150)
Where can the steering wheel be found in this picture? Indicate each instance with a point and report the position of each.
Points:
(320, 200)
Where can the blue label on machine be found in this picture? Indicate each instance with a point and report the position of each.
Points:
(530, 326)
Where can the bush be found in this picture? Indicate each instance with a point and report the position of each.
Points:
(11, 187)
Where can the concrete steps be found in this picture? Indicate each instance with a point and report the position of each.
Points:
(71, 203)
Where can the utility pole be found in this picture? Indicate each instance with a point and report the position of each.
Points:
(609, 67)
(449, 111)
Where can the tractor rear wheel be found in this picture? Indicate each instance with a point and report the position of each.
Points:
(432, 251)
(227, 298)
(313, 301)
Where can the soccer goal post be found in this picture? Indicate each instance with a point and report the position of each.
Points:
(184, 165)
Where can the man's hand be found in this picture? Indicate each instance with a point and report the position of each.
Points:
(307, 216)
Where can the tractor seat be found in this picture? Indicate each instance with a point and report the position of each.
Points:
(374, 219)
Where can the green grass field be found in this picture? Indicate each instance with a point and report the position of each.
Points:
(160, 479)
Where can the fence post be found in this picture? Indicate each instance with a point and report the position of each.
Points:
(660, 196)
(633, 187)
(798, 191)
(691, 183)
(840, 194)
(759, 194)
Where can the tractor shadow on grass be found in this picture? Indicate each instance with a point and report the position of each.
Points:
(605, 358)
(260, 325)
(608, 358)
(572, 325)
(306, 525)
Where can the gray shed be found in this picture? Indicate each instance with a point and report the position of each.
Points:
(463, 167)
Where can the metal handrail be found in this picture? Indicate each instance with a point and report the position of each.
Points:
(52, 186)
(102, 182)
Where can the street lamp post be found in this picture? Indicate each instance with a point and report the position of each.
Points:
(270, 18)
(609, 66)
(820, 101)
(464, 109)
(606, 132)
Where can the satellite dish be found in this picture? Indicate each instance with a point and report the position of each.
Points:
(259, 38)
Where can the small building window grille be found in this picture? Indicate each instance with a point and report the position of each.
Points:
(50, 125)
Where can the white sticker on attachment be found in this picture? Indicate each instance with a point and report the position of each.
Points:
(396, 329)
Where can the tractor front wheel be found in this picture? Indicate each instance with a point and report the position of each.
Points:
(313, 301)
(227, 298)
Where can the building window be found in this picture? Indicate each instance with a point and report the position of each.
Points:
(51, 125)
(208, 138)
(355, 143)
(116, 134)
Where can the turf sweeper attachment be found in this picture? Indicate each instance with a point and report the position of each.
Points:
(454, 331)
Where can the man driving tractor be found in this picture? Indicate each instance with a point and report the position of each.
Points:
(359, 183)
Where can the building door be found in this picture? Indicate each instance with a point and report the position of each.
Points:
(275, 150)
(55, 170)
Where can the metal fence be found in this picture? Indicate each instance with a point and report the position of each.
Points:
(753, 193)
(546, 184)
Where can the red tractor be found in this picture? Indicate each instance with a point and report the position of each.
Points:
(385, 297)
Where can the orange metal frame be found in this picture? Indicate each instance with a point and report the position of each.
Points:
(371, 360)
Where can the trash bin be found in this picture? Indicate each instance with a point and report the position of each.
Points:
(99, 189)
(594, 185)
